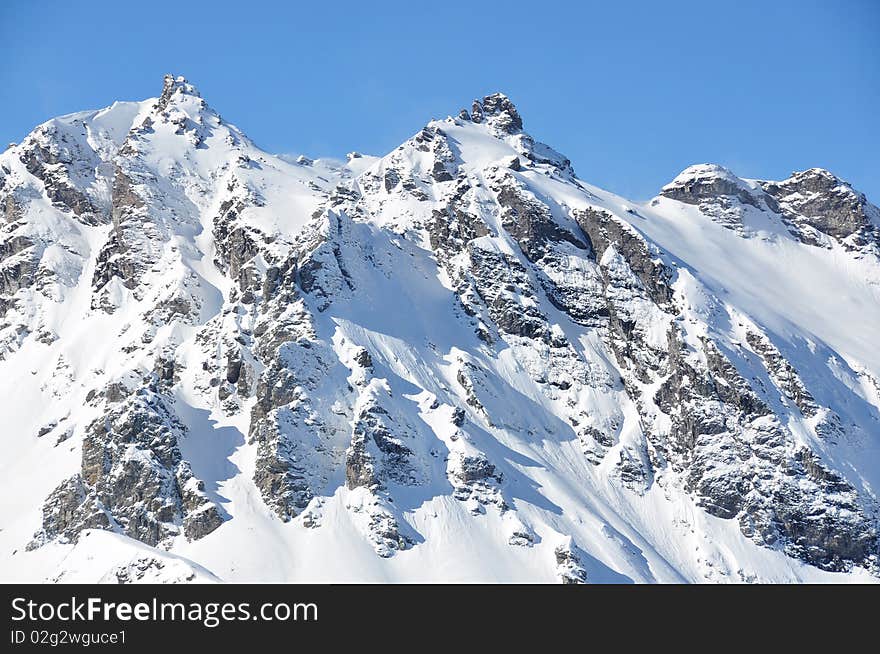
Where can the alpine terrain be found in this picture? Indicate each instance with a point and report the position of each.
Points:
(455, 362)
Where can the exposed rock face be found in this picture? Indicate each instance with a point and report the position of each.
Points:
(461, 327)
(172, 86)
(20, 258)
(818, 206)
(603, 230)
(719, 194)
(530, 221)
(568, 564)
(379, 454)
(452, 229)
(46, 166)
(58, 159)
(744, 464)
(146, 216)
(127, 252)
(708, 182)
(133, 479)
(284, 421)
(68, 511)
(818, 199)
(497, 110)
(505, 302)
(783, 374)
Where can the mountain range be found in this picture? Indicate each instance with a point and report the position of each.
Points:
(455, 362)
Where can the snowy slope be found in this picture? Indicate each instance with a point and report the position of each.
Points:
(456, 362)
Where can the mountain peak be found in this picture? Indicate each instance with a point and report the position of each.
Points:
(820, 199)
(708, 181)
(173, 86)
(815, 182)
(703, 171)
(817, 179)
(498, 110)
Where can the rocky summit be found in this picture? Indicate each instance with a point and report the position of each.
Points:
(455, 362)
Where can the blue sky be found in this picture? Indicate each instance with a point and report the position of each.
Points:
(632, 92)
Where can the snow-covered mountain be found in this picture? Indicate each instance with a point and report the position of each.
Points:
(456, 362)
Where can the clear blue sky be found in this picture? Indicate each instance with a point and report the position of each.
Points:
(631, 91)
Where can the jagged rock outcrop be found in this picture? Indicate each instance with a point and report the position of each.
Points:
(709, 183)
(133, 479)
(498, 111)
(742, 463)
(817, 199)
(719, 194)
(568, 564)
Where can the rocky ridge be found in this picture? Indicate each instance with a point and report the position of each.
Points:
(272, 293)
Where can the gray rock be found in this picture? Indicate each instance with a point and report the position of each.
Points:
(820, 200)
(133, 479)
(498, 110)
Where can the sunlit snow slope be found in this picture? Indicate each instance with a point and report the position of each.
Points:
(457, 362)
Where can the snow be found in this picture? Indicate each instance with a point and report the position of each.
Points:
(821, 306)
